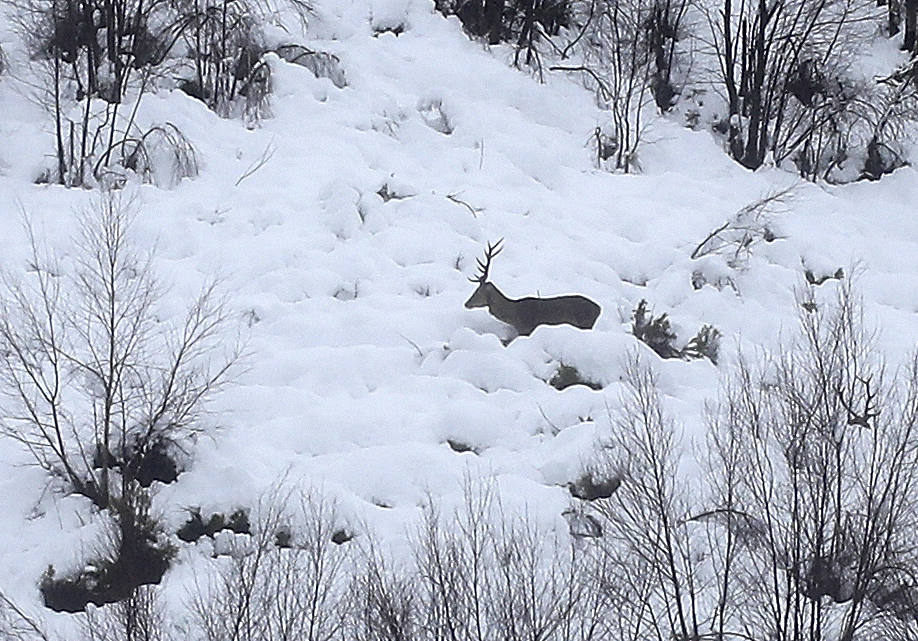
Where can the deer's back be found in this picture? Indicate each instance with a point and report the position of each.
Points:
(573, 310)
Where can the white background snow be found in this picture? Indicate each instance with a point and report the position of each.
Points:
(363, 361)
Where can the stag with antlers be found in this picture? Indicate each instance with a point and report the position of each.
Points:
(525, 314)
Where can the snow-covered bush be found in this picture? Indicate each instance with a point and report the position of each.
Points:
(94, 60)
(844, 130)
(322, 64)
(225, 44)
(162, 155)
(567, 375)
(752, 225)
(91, 60)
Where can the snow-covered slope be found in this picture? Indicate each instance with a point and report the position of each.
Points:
(364, 362)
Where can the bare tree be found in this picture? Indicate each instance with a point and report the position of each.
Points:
(93, 381)
(645, 518)
(815, 463)
(383, 602)
(104, 395)
(453, 559)
(780, 62)
(284, 582)
(626, 52)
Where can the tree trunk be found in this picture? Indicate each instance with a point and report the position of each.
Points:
(493, 19)
(758, 119)
(734, 135)
(911, 23)
(895, 17)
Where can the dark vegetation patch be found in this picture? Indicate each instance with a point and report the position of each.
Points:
(196, 527)
(568, 375)
(500, 21)
(140, 559)
(656, 333)
(395, 29)
(592, 486)
(387, 192)
(813, 279)
(341, 536)
(459, 446)
(144, 463)
(704, 344)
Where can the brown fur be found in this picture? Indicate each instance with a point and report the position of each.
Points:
(525, 314)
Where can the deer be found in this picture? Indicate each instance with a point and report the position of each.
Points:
(525, 314)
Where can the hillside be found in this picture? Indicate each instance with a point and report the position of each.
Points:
(344, 226)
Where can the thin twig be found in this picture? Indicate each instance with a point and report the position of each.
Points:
(473, 210)
(414, 345)
(266, 155)
(606, 94)
(548, 420)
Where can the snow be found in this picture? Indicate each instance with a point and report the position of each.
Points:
(363, 361)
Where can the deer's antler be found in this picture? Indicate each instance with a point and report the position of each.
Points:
(483, 267)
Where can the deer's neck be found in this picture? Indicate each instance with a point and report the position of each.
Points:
(501, 307)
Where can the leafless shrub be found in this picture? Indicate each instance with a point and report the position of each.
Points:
(92, 62)
(284, 581)
(536, 589)
(100, 392)
(162, 155)
(484, 572)
(627, 54)
(651, 550)
(320, 63)
(750, 226)
(783, 68)
(92, 382)
(17, 624)
(452, 562)
(226, 47)
(861, 132)
(383, 600)
(140, 617)
(814, 468)
(616, 67)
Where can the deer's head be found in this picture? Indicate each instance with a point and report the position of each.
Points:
(483, 294)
